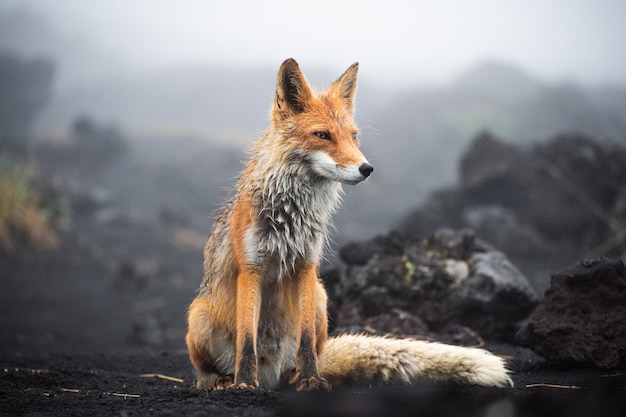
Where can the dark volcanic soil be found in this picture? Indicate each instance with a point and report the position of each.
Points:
(112, 384)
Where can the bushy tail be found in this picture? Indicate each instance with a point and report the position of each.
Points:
(368, 360)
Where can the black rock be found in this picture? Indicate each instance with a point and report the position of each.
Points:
(449, 278)
(582, 319)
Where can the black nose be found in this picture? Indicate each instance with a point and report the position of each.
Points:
(366, 169)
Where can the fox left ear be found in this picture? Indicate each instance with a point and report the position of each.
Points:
(345, 86)
(292, 89)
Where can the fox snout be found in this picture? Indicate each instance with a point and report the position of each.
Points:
(325, 166)
(366, 169)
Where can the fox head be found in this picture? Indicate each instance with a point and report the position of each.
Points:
(321, 125)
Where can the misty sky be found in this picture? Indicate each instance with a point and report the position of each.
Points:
(394, 40)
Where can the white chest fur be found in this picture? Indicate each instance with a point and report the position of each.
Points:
(290, 223)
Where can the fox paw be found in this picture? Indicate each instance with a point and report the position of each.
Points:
(245, 386)
(228, 382)
(313, 383)
(224, 381)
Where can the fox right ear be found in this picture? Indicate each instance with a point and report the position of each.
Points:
(292, 89)
(345, 86)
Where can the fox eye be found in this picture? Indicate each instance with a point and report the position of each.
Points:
(322, 135)
(355, 136)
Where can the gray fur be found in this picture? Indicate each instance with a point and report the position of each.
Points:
(294, 210)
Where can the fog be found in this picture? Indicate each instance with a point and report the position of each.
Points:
(432, 76)
(398, 42)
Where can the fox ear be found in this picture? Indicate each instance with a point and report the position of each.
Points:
(292, 89)
(345, 86)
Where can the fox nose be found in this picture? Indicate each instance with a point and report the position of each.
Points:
(366, 169)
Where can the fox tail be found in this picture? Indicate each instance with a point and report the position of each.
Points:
(359, 359)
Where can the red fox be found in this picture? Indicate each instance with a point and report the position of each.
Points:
(259, 319)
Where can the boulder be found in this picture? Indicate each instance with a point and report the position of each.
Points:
(582, 318)
(542, 205)
(450, 278)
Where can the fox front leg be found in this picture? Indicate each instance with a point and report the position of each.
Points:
(306, 376)
(248, 306)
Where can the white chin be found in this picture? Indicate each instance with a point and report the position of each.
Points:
(352, 181)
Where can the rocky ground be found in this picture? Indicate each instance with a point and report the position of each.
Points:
(96, 326)
(83, 337)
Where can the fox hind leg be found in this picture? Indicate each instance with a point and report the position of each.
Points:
(201, 341)
(321, 318)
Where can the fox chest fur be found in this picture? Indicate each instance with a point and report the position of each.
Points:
(290, 214)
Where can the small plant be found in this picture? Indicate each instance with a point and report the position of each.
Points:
(23, 222)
